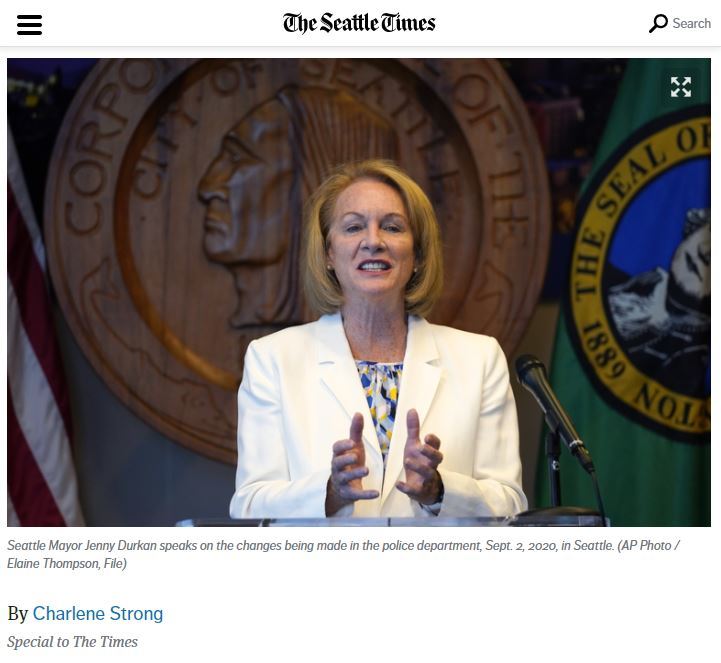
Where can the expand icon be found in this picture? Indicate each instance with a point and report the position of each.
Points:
(684, 87)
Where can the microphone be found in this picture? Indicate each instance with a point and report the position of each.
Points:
(531, 374)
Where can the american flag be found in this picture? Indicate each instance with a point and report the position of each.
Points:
(42, 488)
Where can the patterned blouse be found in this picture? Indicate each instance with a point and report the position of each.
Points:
(381, 383)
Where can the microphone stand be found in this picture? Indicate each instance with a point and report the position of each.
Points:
(531, 374)
(557, 515)
(553, 454)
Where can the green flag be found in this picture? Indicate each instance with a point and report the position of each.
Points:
(631, 361)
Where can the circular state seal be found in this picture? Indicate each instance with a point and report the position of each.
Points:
(174, 207)
(640, 286)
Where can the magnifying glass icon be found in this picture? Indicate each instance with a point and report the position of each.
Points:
(659, 21)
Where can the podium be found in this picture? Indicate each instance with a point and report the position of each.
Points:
(541, 518)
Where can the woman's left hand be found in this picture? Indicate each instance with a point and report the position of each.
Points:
(421, 460)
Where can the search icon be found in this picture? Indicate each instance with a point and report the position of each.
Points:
(659, 21)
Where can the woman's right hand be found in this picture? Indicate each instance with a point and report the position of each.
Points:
(347, 470)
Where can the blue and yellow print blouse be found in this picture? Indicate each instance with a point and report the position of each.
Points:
(381, 383)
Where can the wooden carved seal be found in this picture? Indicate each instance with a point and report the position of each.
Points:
(173, 210)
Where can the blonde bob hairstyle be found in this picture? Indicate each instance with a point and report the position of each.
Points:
(323, 292)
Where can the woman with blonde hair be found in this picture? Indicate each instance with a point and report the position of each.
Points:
(371, 410)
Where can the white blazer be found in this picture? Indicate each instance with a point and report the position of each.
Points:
(301, 387)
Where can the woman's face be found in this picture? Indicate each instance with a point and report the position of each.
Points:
(370, 244)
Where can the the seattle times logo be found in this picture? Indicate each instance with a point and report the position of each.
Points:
(639, 298)
(385, 22)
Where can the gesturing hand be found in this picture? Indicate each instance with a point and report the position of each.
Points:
(347, 470)
(420, 460)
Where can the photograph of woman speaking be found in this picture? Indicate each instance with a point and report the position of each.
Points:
(371, 411)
